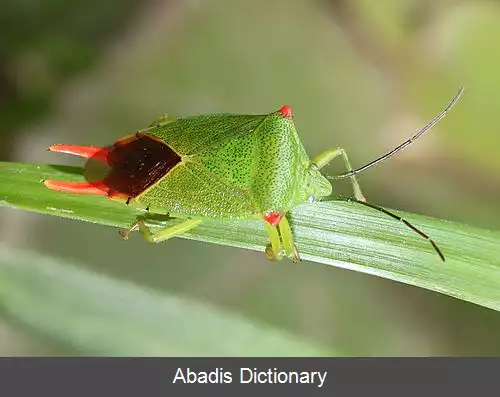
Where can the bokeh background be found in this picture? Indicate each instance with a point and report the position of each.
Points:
(360, 74)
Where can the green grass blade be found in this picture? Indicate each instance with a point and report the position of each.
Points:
(95, 315)
(335, 233)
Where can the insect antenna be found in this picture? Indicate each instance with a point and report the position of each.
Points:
(398, 218)
(406, 143)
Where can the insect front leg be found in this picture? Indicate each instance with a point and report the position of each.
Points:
(325, 157)
(162, 234)
(288, 241)
(281, 242)
(274, 251)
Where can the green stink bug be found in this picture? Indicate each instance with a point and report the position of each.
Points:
(223, 167)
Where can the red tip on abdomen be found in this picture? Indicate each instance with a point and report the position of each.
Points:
(273, 218)
(286, 111)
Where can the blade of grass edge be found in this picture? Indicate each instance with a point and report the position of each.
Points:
(336, 233)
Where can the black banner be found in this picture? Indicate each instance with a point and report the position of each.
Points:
(248, 376)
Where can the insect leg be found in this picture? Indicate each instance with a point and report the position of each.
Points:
(162, 119)
(287, 238)
(163, 234)
(325, 157)
(274, 251)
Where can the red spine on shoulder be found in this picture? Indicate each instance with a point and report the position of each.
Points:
(286, 111)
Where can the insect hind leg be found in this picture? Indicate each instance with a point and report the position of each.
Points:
(162, 234)
(324, 158)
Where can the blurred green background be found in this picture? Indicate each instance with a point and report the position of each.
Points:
(360, 74)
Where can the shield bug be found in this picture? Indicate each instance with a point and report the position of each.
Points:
(220, 167)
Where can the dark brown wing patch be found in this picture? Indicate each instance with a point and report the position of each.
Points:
(133, 165)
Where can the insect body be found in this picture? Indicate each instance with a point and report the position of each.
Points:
(218, 167)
